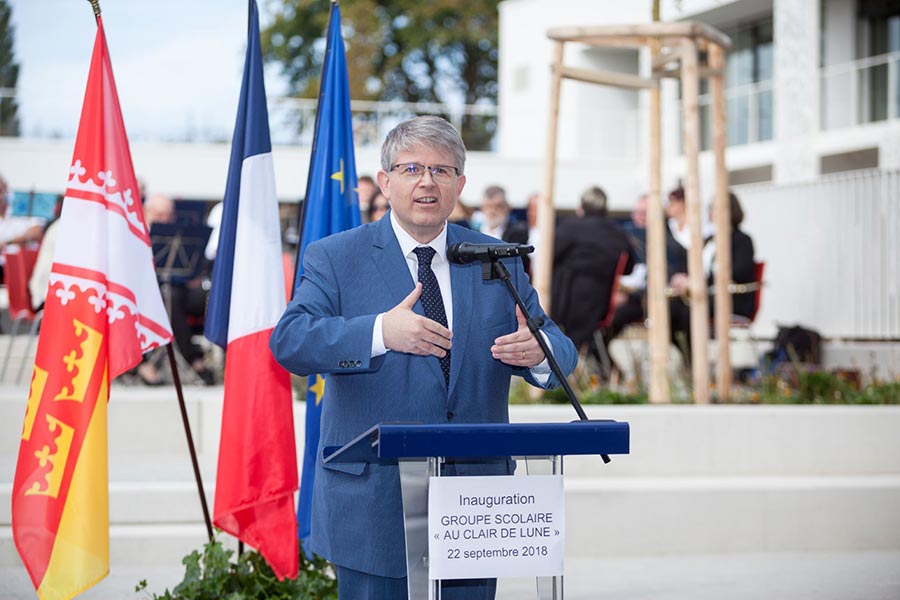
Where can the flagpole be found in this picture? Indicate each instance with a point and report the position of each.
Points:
(176, 379)
(95, 4)
(312, 155)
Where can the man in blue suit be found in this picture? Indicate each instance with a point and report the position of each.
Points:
(405, 336)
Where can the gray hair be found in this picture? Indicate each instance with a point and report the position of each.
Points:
(593, 201)
(423, 131)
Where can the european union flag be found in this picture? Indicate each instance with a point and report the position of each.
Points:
(331, 206)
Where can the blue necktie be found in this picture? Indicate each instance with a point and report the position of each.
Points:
(431, 298)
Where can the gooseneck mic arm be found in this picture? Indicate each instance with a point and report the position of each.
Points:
(493, 268)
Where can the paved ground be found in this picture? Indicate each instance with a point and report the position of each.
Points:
(800, 576)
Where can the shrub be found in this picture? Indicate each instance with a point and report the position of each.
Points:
(213, 576)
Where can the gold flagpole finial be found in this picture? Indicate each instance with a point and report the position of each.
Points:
(95, 4)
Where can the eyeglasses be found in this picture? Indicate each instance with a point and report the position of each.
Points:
(415, 172)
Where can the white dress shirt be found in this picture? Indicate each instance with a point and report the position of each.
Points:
(441, 269)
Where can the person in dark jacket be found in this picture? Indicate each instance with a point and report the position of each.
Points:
(585, 254)
(742, 271)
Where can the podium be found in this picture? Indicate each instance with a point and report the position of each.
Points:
(420, 450)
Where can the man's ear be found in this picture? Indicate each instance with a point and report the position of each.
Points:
(384, 183)
(460, 184)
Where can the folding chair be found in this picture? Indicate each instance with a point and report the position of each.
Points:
(19, 265)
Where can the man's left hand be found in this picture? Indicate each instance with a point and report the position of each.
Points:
(518, 349)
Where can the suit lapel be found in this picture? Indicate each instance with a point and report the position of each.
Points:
(391, 263)
(462, 284)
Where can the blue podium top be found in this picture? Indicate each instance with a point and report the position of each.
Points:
(388, 442)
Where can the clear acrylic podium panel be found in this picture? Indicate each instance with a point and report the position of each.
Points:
(414, 479)
(418, 450)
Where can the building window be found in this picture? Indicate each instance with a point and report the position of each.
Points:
(748, 87)
(880, 24)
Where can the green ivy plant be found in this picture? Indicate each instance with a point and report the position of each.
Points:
(213, 575)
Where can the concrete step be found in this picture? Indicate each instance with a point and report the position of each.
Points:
(699, 479)
(731, 440)
(798, 576)
(131, 545)
(689, 441)
(605, 518)
(142, 502)
(20, 352)
(680, 515)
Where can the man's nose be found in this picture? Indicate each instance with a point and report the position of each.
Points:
(427, 178)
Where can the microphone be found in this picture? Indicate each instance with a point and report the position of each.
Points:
(467, 252)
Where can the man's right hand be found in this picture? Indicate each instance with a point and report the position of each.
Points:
(405, 331)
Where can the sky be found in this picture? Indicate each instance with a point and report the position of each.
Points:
(177, 64)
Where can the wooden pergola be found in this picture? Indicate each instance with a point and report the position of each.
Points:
(676, 50)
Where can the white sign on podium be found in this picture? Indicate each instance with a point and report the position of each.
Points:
(506, 526)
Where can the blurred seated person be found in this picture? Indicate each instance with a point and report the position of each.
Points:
(366, 188)
(378, 206)
(39, 282)
(742, 271)
(586, 252)
(15, 230)
(495, 212)
(184, 300)
(678, 237)
(531, 218)
(631, 297)
(214, 222)
(495, 220)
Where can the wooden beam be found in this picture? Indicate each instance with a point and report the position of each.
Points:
(679, 29)
(543, 269)
(607, 78)
(709, 72)
(722, 216)
(637, 41)
(657, 304)
(663, 60)
(690, 90)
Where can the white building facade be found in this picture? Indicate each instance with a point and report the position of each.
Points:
(813, 99)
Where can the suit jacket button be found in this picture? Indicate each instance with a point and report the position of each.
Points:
(450, 415)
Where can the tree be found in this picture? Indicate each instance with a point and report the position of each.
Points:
(9, 74)
(407, 50)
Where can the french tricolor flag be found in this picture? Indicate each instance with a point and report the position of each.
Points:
(257, 470)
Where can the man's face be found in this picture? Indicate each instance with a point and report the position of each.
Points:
(639, 215)
(495, 210)
(421, 205)
(366, 190)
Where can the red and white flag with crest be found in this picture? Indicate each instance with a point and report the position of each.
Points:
(103, 311)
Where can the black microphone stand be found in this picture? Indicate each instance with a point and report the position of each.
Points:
(495, 269)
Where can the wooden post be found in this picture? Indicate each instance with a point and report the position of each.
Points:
(546, 213)
(699, 302)
(722, 212)
(657, 305)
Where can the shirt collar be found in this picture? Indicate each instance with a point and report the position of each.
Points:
(408, 244)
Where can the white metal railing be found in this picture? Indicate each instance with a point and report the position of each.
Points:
(861, 91)
(371, 120)
(832, 253)
(291, 122)
(749, 116)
